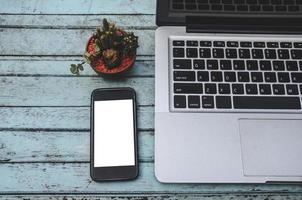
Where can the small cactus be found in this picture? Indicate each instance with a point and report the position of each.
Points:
(111, 44)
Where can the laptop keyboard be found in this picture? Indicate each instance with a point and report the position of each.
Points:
(223, 75)
(244, 6)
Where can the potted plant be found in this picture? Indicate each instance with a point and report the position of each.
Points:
(110, 50)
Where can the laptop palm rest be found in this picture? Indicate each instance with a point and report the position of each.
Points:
(271, 147)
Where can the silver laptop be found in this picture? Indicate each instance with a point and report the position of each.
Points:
(228, 91)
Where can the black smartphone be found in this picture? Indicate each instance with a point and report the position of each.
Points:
(113, 140)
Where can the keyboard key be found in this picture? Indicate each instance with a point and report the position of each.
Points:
(184, 76)
(265, 65)
(254, 102)
(216, 76)
(283, 77)
(178, 43)
(182, 64)
(225, 65)
(257, 53)
(219, 44)
(238, 65)
(204, 53)
(203, 76)
(237, 89)
(291, 65)
(278, 65)
(293, 8)
(296, 77)
(267, 8)
(191, 6)
(285, 44)
(245, 44)
(243, 77)
(193, 101)
(242, 8)
(244, 53)
(231, 53)
(298, 45)
(229, 7)
(178, 6)
(256, 77)
(210, 88)
(204, 7)
(198, 64)
(224, 88)
(218, 53)
(178, 52)
(216, 7)
(229, 76)
(259, 44)
(251, 89)
(270, 77)
(191, 53)
(212, 64)
(192, 43)
(278, 89)
(207, 101)
(188, 88)
(283, 54)
(252, 65)
(270, 53)
(254, 8)
(180, 101)
(223, 102)
(265, 89)
(296, 54)
(292, 89)
(232, 44)
(280, 8)
(273, 45)
(205, 43)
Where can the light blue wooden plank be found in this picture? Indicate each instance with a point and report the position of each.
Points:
(77, 21)
(74, 177)
(50, 146)
(51, 67)
(60, 118)
(59, 42)
(273, 196)
(77, 7)
(66, 91)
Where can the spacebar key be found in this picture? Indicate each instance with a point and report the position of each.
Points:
(252, 102)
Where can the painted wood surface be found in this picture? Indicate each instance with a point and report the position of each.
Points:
(58, 41)
(53, 146)
(74, 177)
(79, 7)
(44, 110)
(54, 66)
(281, 196)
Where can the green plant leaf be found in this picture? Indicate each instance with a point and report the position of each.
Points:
(80, 67)
(73, 69)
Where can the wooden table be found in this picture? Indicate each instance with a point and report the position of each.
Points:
(44, 113)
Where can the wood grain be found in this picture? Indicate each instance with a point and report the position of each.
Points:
(127, 21)
(58, 146)
(59, 41)
(66, 91)
(79, 7)
(273, 196)
(60, 118)
(54, 67)
(74, 177)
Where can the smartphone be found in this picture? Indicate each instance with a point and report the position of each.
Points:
(113, 138)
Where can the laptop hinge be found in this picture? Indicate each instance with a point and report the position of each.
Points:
(262, 25)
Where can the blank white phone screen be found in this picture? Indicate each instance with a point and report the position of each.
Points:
(113, 133)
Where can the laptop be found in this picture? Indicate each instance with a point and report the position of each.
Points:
(228, 91)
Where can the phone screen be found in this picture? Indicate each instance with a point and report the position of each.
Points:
(114, 133)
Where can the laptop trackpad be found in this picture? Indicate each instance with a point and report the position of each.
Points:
(271, 147)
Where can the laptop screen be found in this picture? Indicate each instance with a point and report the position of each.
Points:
(174, 12)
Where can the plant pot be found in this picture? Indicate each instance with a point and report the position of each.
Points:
(99, 67)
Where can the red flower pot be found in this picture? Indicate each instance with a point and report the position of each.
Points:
(99, 67)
